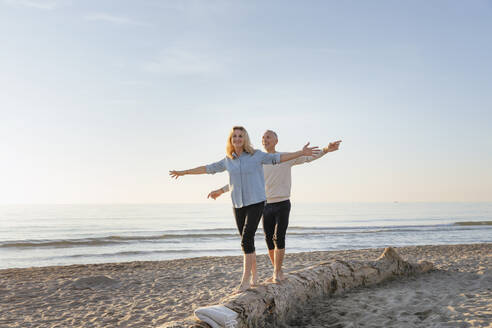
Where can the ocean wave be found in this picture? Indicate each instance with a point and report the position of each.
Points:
(109, 240)
(130, 253)
(348, 232)
(398, 227)
(143, 253)
(473, 223)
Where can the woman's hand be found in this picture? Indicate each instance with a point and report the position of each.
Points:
(175, 174)
(310, 151)
(197, 170)
(332, 146)
(216, 193)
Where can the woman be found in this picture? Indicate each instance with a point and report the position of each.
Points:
(247, 183)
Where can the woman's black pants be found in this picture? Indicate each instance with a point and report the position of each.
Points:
(247, 220)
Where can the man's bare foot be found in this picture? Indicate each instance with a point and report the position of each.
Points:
(254, 281)
(282, 276)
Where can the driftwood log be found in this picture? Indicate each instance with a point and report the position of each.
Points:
(267, 305)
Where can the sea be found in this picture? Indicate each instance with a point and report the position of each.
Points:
(46, 235)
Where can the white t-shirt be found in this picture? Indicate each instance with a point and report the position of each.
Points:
(278, 177)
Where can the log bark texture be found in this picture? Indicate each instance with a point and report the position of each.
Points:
(272, 304)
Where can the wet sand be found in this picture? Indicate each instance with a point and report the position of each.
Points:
(149, 294)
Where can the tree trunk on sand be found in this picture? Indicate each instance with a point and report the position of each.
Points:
(267, 305)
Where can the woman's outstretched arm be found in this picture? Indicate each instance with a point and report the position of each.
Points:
(197, 170)
(306, 151)
(213, 168)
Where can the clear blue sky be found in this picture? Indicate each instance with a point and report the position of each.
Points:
(100, 99)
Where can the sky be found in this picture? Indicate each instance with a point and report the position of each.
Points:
(100, 99)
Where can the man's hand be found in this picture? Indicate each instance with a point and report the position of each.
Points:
(216, 193)
(332, 146)
(310, 151)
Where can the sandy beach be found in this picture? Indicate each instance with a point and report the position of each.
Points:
(149, 294)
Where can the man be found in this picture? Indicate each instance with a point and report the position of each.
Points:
(276, 212)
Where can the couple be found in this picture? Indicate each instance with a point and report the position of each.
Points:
(247, 186)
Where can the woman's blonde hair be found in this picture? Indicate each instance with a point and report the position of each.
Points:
(247, 146)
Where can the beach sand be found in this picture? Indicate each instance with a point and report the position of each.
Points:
(149, 294)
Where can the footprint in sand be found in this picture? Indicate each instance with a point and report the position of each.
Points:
(423, 314)
(95, 282)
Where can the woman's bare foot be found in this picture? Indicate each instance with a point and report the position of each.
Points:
(244, 286)
(254, 281)
(278, 277)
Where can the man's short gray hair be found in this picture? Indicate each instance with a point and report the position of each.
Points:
(274, 133)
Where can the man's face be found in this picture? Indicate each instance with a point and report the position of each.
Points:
(269, 140)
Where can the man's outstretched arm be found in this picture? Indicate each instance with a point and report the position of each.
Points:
(216, 193)
(332, 146)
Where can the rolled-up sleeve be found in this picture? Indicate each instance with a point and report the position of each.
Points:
(307, 159)
(216, 167)
(267, 158)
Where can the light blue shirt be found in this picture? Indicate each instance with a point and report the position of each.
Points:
(246, 180)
